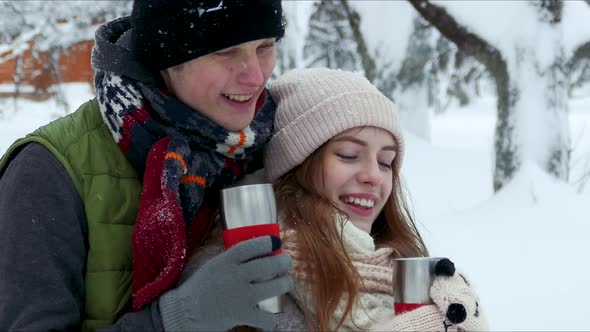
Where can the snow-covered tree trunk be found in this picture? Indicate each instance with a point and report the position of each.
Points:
(531, 86)
(415, 114)
(290, 48)
(556, 99)
(18, 79)
(536, 128)
(331, 42)
(413, 78)
(367, 61)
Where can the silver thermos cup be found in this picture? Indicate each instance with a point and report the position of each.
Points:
(250, 205)
(412, 279)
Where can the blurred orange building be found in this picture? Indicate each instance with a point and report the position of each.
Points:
(38, 72)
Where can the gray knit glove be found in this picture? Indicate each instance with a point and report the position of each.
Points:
(224, 292)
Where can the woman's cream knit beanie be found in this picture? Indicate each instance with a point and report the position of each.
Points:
(314, 105)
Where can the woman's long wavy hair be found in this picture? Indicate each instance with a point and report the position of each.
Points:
(329, 269)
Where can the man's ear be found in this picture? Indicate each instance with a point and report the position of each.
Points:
(164, 73)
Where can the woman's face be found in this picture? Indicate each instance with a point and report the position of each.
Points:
(357, 173)
(225, 85)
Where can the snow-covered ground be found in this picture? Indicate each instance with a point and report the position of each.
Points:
(525, 248)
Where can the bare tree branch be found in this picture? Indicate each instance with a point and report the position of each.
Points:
(367, 61)
(468, 42)
(553, 9)
(581, 53)
(473, 45)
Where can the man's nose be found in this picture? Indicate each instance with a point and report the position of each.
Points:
(250, 71)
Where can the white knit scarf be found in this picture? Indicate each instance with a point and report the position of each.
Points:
(375, 300)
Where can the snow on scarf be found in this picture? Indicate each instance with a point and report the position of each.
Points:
(180, 154)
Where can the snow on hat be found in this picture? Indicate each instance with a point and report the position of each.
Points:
(169, 32)
(316, 104)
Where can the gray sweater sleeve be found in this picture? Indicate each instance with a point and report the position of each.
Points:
(43, 245)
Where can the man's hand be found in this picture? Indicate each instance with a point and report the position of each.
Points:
(224, 292)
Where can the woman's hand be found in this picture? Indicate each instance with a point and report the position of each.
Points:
(455, 298)
(456, 306)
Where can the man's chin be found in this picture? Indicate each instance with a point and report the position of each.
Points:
(236, 125)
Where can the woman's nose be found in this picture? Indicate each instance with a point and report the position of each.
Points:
(370, 173)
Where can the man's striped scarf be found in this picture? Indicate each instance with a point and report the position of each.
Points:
(181, 154)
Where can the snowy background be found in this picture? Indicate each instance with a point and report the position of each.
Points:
(525, 248)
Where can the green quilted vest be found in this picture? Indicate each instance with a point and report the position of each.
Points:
(110, 190)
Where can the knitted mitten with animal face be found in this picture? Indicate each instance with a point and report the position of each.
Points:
(456, 306)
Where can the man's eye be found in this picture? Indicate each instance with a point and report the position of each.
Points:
(267, 45)
(223, 53)
(265, 48)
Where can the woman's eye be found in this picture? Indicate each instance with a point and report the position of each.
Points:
(345, 157)
(386, 165)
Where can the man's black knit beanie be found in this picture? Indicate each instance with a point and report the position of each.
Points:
(169, 32)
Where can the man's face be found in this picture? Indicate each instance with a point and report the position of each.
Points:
(225, 85)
